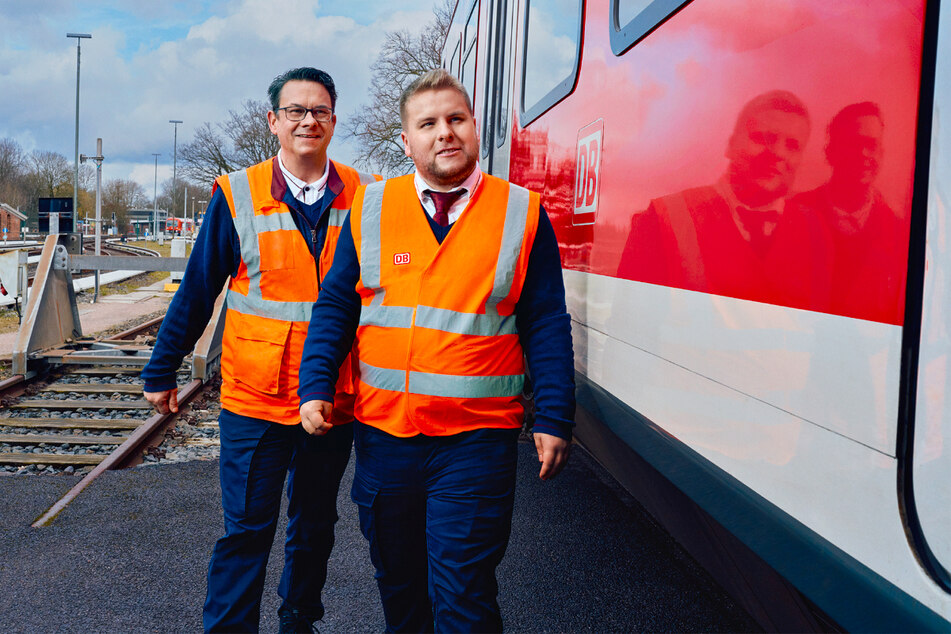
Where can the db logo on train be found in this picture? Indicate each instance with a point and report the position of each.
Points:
(588, 172)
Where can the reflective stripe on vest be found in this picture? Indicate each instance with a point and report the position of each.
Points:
(247, 225)
(486, 325)
(335, 217)
(366, 179)
(443, 319)
(447, 385)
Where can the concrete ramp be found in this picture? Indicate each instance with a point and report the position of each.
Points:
(51, 316)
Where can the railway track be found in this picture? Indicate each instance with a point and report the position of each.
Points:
(74, 403)
(74, 417)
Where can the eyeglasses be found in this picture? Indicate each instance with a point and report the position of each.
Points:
(298, 113)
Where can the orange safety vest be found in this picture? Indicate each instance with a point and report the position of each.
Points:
(437, 346)
(269, 300)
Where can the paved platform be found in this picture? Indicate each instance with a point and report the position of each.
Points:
(131, 553)
(109, 311)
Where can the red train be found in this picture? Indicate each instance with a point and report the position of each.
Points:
(179, 226)
(752, 202)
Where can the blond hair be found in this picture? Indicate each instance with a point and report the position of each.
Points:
(437, 79)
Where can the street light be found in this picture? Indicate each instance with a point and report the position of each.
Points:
(175, 122)
(98, 161)
(79, 38)
(155, 200)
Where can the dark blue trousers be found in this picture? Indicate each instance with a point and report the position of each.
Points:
(256, 456)
(437, 512)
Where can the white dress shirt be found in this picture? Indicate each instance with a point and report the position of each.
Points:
(307, 193)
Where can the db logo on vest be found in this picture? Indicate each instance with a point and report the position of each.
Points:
(400, 258)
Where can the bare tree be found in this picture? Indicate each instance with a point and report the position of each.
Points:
(13, 165)
(253, 140)
(12, 160)
(243, 140)
(208, 156)
(52, 173)
(195, 192)
(118, 197)
(403, 57)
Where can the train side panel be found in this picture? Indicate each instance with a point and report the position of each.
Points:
(776, 371)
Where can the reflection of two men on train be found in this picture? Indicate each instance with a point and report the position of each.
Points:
(838, 248)
(869, 254)
(738, 237)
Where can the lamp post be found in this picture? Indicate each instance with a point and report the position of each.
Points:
(155, 200)
(98, 160)
(79, 38)
(174, 122)
(201, 212)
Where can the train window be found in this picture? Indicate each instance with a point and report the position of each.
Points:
(491, 75)
(470, 32)
(469, 50)
(632, 20)
(552, 35)
(505, 65)
(453, 66)
(468, 72)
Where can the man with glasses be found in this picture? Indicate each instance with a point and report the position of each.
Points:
(270, 231)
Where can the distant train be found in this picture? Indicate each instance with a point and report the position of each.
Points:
(753, 204)
(179, 226)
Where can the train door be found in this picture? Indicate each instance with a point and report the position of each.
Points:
(496, 98)
(926, 487)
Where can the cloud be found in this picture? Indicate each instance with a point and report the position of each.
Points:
(151, 62)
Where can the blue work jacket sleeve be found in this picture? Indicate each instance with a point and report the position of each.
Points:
(215, 256)
(333, 323)
(544, 329)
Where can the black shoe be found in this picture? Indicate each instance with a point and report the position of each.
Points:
(295, 622)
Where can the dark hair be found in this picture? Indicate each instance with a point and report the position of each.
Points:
(851, 113)
(305, 73)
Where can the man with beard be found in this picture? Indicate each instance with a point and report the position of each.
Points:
(736, 237)
(868, 239)
(444, 281)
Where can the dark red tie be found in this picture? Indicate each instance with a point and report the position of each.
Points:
(443, 202)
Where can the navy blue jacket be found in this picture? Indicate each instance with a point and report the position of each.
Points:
(215, 256)
(542, 320)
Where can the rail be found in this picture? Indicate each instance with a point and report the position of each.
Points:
(50, 336)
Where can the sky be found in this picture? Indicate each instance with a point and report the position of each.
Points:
(149, 62)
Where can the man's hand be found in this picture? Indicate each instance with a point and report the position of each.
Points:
(552, 453)
(315, 417)
(163, 402)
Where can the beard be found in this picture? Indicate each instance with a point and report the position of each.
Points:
(451, 176)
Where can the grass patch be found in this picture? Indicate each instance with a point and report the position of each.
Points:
(9, 322)
(164, 249)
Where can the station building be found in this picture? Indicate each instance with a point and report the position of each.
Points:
(142, 220)
(10, 222)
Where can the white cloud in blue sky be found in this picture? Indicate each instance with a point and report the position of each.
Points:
(154, 61)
